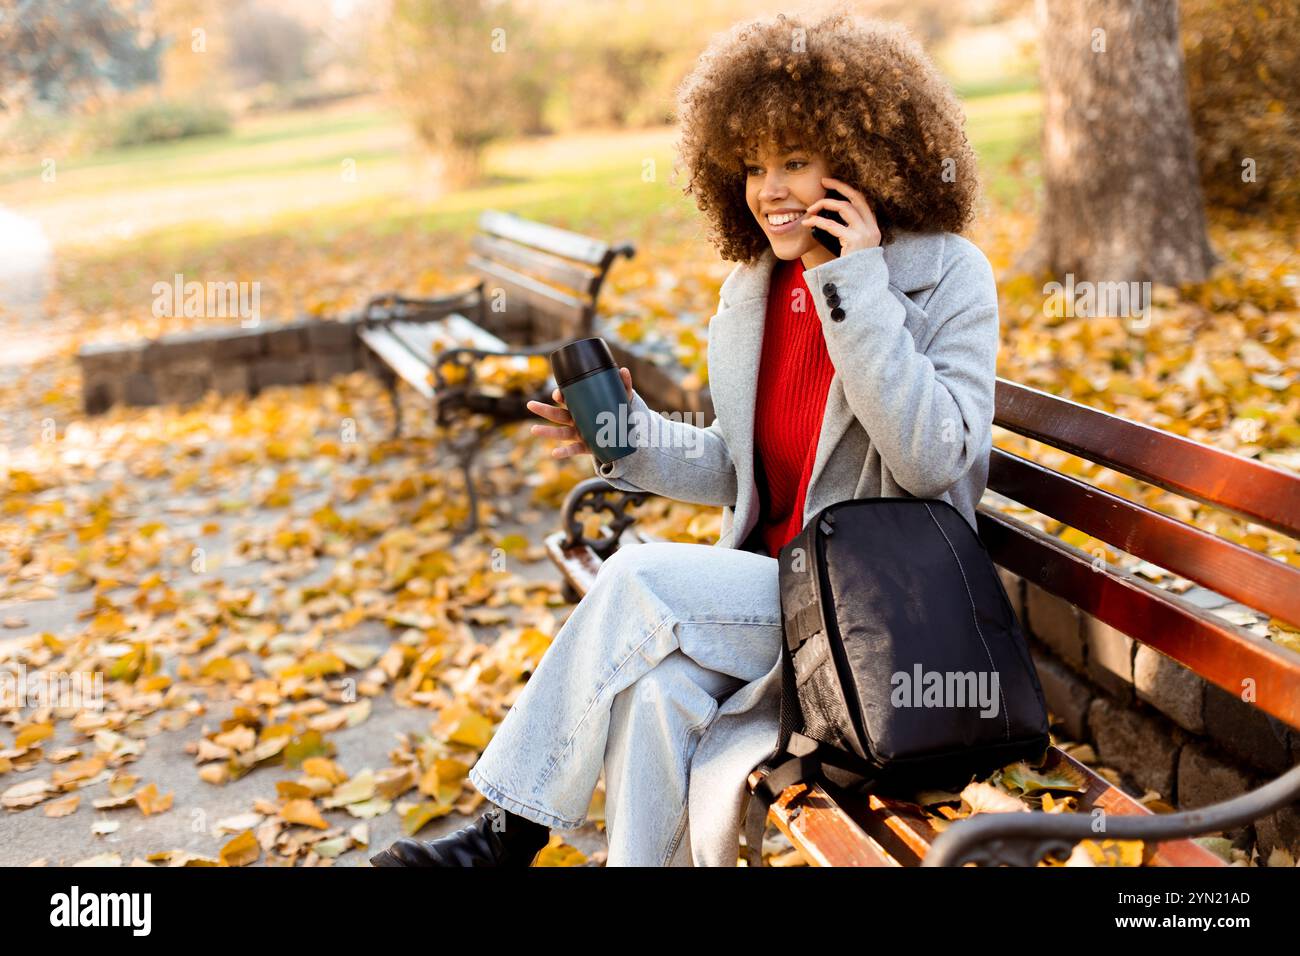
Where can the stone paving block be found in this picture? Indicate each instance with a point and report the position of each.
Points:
(102, 393)
(1109, 655)
(1175, 690)
(327, 365)
(231, 378)
(268, 371)
(1056, 622)
(105, 369)
(140, 389)
(285, 340)
(179, 348)
(121, 357)
(1136, 744)
(237, 343)
(1204, 778)
(183, 382)
(1245, 731)
(329, 335)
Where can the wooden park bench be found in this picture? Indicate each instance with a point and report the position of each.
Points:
(833, 828)
(538, 285)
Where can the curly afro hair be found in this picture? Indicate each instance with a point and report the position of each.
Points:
(860, 92)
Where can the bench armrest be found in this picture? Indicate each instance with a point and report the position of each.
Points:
(1023, 839)
(388, 306)
(597, 494)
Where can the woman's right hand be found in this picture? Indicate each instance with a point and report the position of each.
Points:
(564, 428)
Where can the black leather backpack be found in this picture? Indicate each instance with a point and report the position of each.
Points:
(903, 660)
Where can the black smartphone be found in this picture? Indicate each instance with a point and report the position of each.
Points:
(831, 242)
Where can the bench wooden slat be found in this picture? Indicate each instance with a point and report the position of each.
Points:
(566, 309)
(422, 337)
(901, 827)
(819, 828)
(1247, 576)
(428, 339)
(399, 358)
(579, 565)
(1248, 488)
(466, 332)
(561, 242)
(1217, 650)
(581, 279)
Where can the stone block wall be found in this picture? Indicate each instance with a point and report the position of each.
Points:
(183, 366)
(1158, 723)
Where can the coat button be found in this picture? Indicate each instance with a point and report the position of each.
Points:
(837, 314)
(828, 288)
(833, 299)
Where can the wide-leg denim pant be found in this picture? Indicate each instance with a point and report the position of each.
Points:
(630, 682)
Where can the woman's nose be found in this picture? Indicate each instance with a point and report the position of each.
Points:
(773, 189)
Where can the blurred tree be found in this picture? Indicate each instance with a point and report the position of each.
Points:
(1243, 84)
(465, 72)
(193, 67)
(606, 85)
(62, 52)
(1122, 198)
(609, 60)
(266, 45)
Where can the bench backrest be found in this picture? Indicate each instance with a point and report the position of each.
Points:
(1222, 653)
(540, 282)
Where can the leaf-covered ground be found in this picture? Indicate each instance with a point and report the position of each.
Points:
(297, 663)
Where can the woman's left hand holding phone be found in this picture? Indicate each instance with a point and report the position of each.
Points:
(859, 229)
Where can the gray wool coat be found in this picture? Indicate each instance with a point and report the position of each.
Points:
(914, 344)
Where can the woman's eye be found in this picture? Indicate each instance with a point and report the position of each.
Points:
(792, 164)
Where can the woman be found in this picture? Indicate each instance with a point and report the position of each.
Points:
(867, 373)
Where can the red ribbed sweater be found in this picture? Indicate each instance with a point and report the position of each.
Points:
(793, 380)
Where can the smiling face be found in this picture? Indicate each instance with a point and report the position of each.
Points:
(778, 183)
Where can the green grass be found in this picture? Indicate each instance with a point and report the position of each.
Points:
(165, 163)
(981, 89)
(585, 180)
(1000, 127)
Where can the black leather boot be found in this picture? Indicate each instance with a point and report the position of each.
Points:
(494, 839)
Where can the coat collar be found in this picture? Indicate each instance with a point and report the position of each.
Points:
(914, 260)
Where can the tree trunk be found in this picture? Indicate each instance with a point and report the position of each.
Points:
(1122, 195)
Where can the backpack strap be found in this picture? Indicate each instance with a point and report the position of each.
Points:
(763, 797)
(797, 757)
(803, 760)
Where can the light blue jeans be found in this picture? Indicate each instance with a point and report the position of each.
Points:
(630, 682)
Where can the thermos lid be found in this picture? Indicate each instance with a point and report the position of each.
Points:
(576, 359)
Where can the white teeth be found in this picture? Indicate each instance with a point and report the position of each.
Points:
(782, 219)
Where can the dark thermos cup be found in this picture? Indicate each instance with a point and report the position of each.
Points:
(596, 397)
